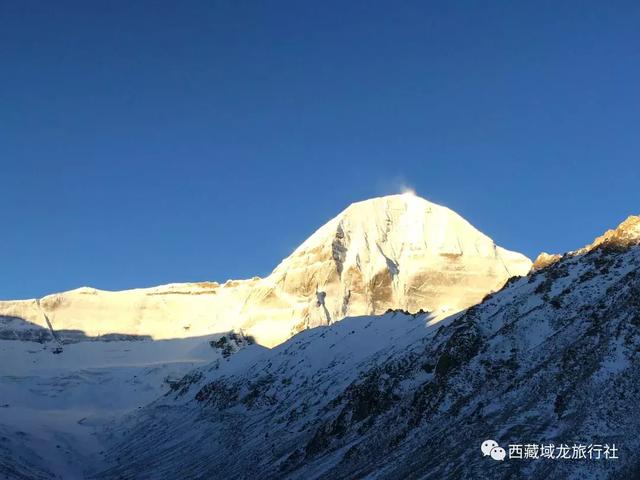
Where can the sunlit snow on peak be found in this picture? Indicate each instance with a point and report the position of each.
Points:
(408, 191)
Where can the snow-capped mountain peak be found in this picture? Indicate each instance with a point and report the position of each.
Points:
(396, 252)
(393, 252)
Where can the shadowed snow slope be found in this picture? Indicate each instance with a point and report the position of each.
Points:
(395, 252)
(51, 405)
(552, 358)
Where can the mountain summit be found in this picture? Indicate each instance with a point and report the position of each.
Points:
(394, 252)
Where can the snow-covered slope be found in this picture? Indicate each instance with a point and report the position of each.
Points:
(552, 358)
(52, 405)
(395, 252)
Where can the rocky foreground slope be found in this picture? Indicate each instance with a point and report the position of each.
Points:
(552, 358)
(399, 252)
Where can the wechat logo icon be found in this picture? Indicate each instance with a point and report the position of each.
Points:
(490, 448)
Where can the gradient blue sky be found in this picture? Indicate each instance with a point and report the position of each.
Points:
(149, 142)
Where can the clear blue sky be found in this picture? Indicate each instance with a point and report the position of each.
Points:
(148, 142)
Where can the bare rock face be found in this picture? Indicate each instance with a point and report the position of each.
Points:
(544, 260)
(395, 252)
(622, 237)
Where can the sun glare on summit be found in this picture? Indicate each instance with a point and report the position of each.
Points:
(405, 190)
